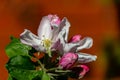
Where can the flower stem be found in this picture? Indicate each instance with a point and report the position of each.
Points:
(63, 71)
(39, 62)
(42, 66)
(49, 52)
(52, 69)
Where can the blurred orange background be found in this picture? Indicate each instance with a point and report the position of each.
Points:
(95, 18)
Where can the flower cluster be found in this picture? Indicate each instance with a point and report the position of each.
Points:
(51, 53)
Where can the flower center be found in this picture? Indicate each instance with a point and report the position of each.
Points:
(47, 43)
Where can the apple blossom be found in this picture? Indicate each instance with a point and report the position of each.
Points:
(49, 29)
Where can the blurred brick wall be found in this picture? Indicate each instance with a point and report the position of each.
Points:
(93, 18)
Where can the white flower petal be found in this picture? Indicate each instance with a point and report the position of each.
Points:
(70, 47)
(64, 47)
(64, 28)
(55, 34)
(85, 58)
(62, 36)
(85, 43)
(28, 38)
(61, 30)
(45, 29)
(61, 44)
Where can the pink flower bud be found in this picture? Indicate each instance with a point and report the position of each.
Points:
(79, 71)
(68, 60)
(84, 71)
(54, 20)
(75, 38)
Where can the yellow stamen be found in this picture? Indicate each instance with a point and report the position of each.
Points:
(47, 43)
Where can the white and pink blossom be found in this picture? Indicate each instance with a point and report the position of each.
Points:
(49, 29)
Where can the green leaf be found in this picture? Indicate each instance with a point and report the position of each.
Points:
(10, 78)
(45, 76)
(22, 62)
(22, 68)
(23, 74)
(15, 47)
